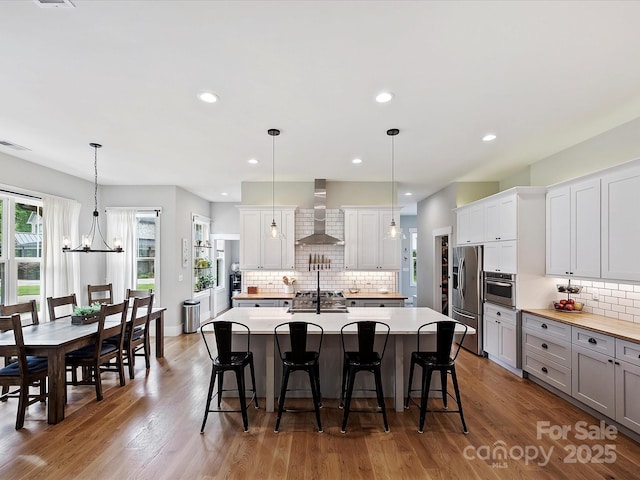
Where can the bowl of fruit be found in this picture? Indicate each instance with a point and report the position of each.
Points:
(568, 306)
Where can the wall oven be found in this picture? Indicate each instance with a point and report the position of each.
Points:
(500, 288)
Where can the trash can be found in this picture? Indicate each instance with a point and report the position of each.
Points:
(191, 315)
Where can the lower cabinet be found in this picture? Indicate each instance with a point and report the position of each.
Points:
(601, 371)
(373, 302)
(501, 338)
(259, 303)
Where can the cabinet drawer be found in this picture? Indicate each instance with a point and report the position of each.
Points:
(257, 303)
(547, 371)
(557, 330)
(594, 341)
(628, 351)
(546, 347)
(495, 312)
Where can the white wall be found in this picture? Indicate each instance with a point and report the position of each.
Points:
(225, 218)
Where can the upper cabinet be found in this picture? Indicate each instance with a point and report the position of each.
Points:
(258, 250)
(470, 222)
(501, 218)
(621, 224)
(573, 229)
(367, 247)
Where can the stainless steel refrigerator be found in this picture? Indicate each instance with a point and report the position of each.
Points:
(466, 292)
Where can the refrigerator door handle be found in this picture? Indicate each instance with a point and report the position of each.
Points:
(456, 312)
(463, 277)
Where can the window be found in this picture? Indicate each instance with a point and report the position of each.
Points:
(147, 252)
(21, 266)
(414, 255)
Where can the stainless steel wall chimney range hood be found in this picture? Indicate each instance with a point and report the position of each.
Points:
(319, 236)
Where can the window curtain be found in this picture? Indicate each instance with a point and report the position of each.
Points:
(61, 270)
(121, 267)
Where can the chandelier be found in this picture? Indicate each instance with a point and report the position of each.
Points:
(88, 240)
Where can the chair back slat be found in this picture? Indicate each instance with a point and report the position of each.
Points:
(29, 308)
(100, 293)
(119, 309)
(140, 311)
(223, 331)
(445, 336)
(366, 339)
(298, 334)
(55, 302)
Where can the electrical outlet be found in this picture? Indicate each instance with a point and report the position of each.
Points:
(596, 298)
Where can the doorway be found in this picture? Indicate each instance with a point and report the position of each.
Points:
(441, 270)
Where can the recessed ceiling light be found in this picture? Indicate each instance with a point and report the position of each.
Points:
(408, 194)
(252, 161)
(384, 97)
(224, 194)
(489, 137)
(208, 97)
(356, 161)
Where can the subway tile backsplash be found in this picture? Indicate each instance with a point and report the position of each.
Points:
(613, 300)
(332, 273)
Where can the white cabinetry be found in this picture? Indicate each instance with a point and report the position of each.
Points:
(470, 224)
(376, 302)
(573, 229)
(628, 384)
(258, 250)
(621, 224)
(367, 246)
(260, 302)
(501, 257)
(592, 370)
(501, 338)
(546, 351)
(501, 218)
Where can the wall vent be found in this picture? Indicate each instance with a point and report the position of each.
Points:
(15, 146)
(54, 3)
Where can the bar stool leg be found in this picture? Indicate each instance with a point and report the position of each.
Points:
(380, 395)
(426, 383)
(253, 381)
(243, 400)
(443, 381)
(411, 368)
(347, 405)
(457, 390)
(220, 383)
(316, 396)
(345, 370)
(206, 410)
(283, 392)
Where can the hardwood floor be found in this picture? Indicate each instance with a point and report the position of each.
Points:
(150, 429)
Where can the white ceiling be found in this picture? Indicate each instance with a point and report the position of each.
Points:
(541, 75)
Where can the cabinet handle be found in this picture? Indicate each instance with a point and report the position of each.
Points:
(257, 305)
(570, 273)
(545, 346)
(381, 305)
(544, 369)
(617, 363)
(498, 313)
(593, 341)
(610, 361)
(544, 326)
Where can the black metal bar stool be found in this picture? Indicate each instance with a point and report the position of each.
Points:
(441, 360)
(298, 358)
(365, 359)
(228, 360)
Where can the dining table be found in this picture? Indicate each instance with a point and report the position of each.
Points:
(57, 338)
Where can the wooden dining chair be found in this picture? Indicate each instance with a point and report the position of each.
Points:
(138, 293)
(25, 372)
(100, 293)
(28, 308)
(96, 357)
(136, 337)
(68, 301)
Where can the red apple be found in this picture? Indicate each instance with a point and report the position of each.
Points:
(562, 302)
(571, 301)
(568, 307)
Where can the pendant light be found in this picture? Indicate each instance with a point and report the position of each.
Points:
(273, 229)
(88, 240)
(393, 231)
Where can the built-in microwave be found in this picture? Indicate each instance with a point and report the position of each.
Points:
(500, 288)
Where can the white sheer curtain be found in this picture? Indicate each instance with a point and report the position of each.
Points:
(61, 270)
(121, 267)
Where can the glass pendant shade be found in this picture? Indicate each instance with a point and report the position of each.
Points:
(393, 231)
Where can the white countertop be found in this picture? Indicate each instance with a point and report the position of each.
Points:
(262, 320)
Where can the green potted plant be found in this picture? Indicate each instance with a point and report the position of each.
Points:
(84, 315)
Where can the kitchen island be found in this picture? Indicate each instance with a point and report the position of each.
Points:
(404, 323)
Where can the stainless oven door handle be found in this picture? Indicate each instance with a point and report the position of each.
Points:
(498, 284)
(463, 278)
